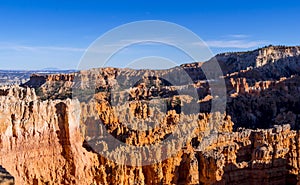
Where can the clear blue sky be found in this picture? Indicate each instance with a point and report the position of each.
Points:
(54, 33)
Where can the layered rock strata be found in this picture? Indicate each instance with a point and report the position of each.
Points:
(52, 128)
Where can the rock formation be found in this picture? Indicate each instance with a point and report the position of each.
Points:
(53, 127)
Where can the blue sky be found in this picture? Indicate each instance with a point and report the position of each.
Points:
(51, 33)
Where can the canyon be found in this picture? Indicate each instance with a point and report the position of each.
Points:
(125, 126)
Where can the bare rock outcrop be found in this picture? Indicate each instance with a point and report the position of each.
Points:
(211, 155)
(53, 128)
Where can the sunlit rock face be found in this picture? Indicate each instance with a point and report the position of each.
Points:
(52, 127)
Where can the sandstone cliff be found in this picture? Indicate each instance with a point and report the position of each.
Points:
(41, 143)
(52, 128)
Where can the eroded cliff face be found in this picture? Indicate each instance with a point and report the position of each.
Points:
(52, 128)
(269, 156)
(235, 62)
(36, 138)
(265, 103)
(41, 143)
